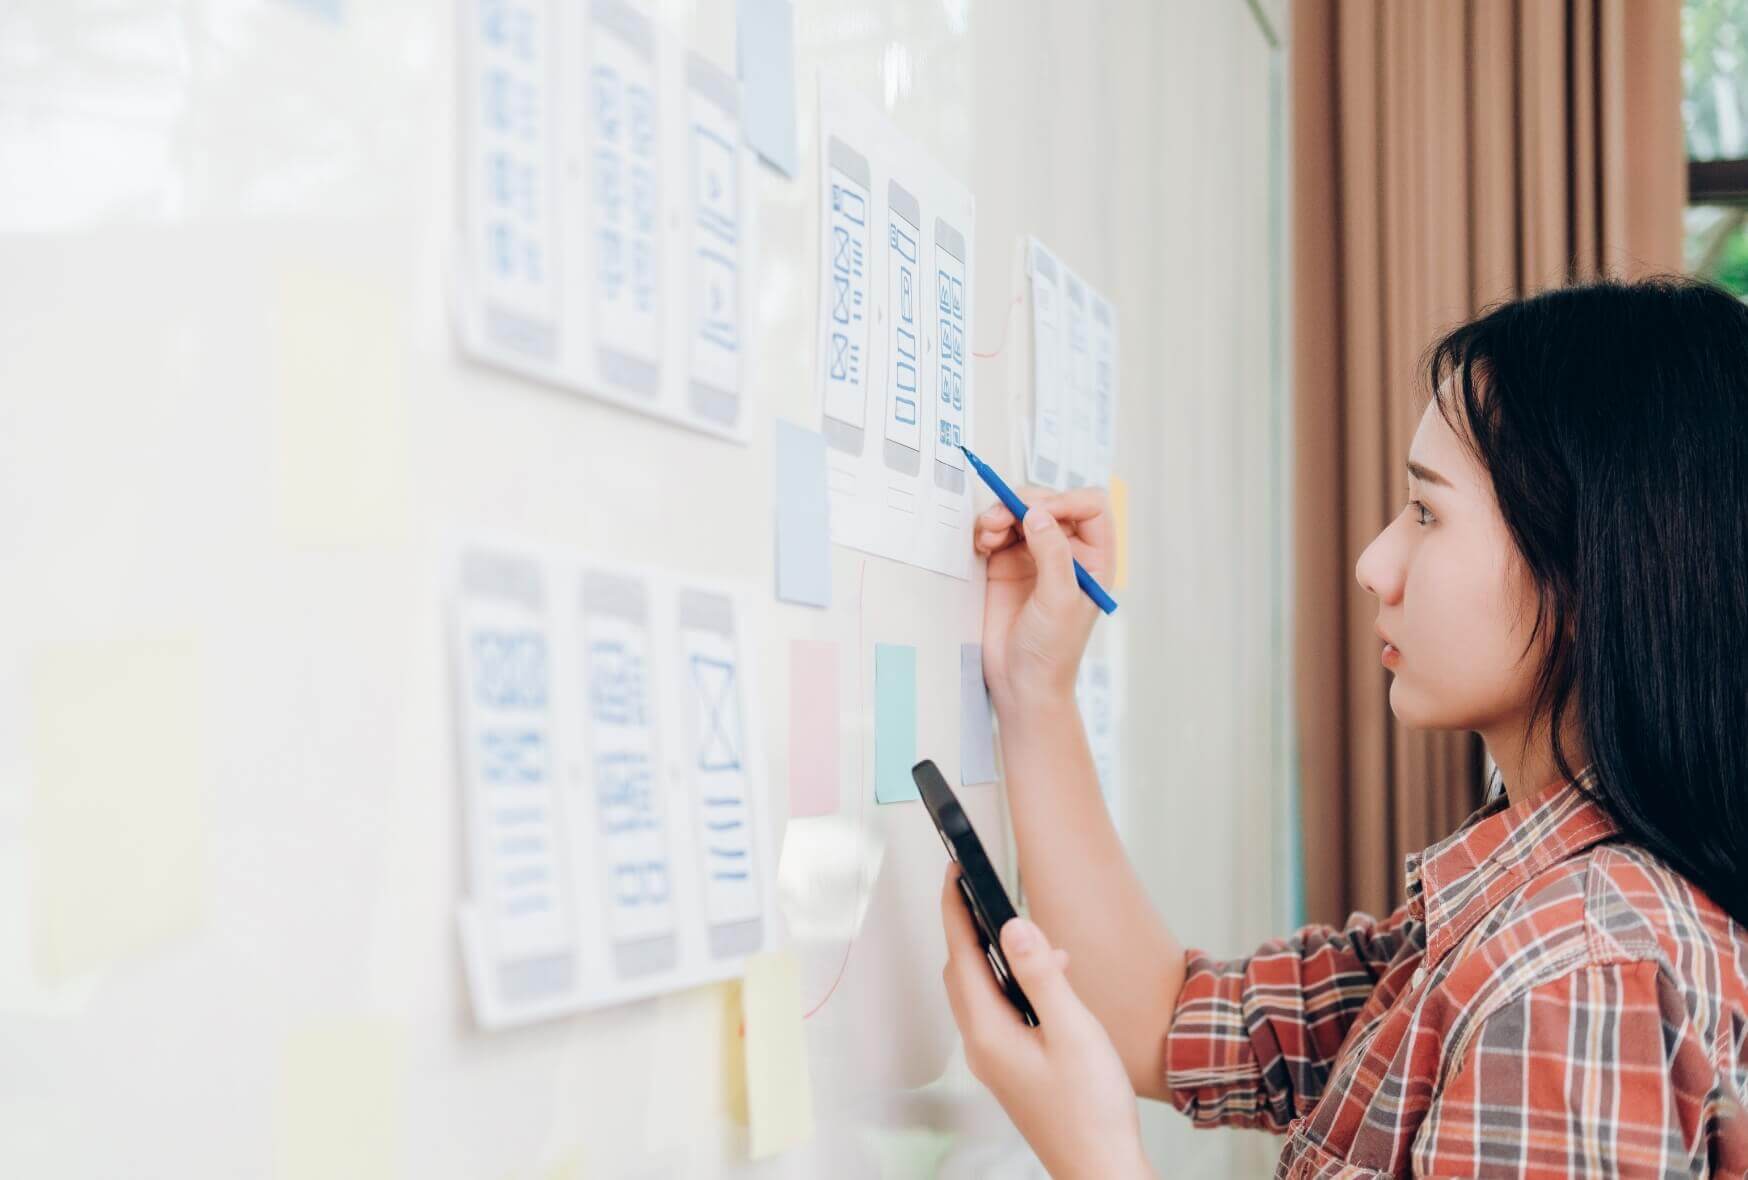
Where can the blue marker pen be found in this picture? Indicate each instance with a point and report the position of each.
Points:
(1017, 506)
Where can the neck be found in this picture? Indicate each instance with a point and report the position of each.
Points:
(1525, 757)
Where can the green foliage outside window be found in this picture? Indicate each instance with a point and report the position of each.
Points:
(1715, 111)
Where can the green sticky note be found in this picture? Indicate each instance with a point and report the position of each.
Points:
(894, 722)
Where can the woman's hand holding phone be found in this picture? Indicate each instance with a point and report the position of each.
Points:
(1062, 1084)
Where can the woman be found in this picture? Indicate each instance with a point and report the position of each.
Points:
(1565, 990)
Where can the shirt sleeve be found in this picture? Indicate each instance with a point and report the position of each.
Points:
(1597, 1073)
(1252, 1039)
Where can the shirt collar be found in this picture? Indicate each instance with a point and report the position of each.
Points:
(1455, 883)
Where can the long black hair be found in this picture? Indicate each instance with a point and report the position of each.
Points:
(1613, 420)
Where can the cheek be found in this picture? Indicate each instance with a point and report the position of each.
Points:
(1467, 665)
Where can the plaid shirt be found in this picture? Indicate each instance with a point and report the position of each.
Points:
(1551, 1002)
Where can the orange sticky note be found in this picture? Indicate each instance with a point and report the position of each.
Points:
(1120, 516)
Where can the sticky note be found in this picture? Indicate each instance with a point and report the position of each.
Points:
(779, 1097)
(341, 421)
(976, 724)
(813, 727)
(766, 36)
(734, 1050)
(118, 824)
(568, 1166)
(1119, 495)
(919, 1151)
(690, 1026)
(565, 1166)
(339, 1113)
(330, 10)
(804, 568)
(894, 722)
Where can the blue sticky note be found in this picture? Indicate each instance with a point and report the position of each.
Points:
(894, 722)
(804, 565)
(976, 723)
(766, 39)
(332, 10)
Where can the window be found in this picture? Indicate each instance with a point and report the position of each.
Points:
(1714, 108)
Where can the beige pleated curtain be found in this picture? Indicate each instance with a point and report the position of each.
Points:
(1446, 154)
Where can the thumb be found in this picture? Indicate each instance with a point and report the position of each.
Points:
(1053, 557)
(1039, 970)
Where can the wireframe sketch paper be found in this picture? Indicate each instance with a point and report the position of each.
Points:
(895, 291)
(614, 782)
(1049, 450)
(1081, 438)
(1075, 376)
(1094, 692)
(619, 274)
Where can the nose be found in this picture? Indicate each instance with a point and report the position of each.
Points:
(1379, 569)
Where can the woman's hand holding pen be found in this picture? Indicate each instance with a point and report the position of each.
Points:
(1036, 619)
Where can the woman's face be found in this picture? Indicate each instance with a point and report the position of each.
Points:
(1453, 597)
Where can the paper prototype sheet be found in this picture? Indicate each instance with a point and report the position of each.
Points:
(896, 391)
(619, 274)
(614, 785)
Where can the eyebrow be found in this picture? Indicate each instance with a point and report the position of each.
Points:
(1427, 474)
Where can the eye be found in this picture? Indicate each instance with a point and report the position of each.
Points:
(1422, 516)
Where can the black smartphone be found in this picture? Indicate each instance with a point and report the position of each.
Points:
(978, 884)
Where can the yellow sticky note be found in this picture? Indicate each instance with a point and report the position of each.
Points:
(117, 825)
(1120, 517)
(695, 1063)
(340, 1088)
(341, 423)
(779, 1097)
(565, 1167)
(734, 1053)
(568, 1166)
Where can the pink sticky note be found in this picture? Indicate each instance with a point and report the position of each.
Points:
(813, 727)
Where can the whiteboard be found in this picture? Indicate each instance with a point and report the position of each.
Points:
(239, 439)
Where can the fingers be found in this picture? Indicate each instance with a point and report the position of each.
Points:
(1054, 558)
(1086, 513)
(987, 1022)
(1070, 507)
(1082, 513)
(1042, 973)
(1078, 505)
(1012, 564)
(991, 541)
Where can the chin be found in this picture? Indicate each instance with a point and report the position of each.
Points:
(1415, 711)
(1412, 709)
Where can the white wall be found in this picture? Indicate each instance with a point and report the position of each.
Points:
(1207, 740)
(190, 193)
